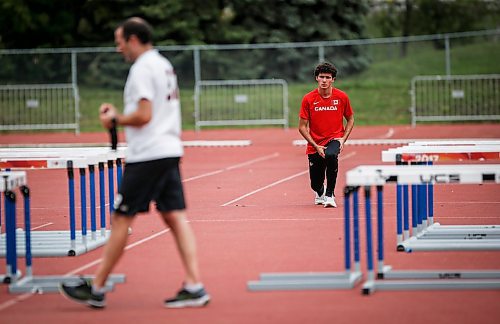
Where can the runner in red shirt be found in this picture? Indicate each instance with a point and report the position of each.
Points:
(321, 123)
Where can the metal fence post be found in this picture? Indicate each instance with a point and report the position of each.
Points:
(447, 54)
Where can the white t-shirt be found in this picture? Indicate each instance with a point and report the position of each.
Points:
(152, 77)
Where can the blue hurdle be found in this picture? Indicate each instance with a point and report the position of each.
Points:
(72, 158)
(28, 283)
(422, 198)
(380, 175)
(9, 182)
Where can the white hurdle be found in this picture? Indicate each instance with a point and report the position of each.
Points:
(69, 242)
(9, 181)
(427, 234)
(381, 175)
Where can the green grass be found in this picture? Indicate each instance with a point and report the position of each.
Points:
(379, 95)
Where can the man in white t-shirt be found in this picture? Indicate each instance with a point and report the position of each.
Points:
(152, 121)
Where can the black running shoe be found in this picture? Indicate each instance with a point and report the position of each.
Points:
(81, 292)
(185, 298)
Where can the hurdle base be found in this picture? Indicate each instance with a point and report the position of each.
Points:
(442, 274)
(7, 279)
(305, 281)
(414, 244)
(382, 272)
(442, 284)
(50, 284)
(432, 280)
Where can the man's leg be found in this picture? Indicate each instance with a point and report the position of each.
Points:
(317, 173)
(92, 293)
(113, 249)
(186, 243)
(332, 166)
(193, 292)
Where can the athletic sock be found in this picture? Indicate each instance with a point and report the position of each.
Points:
(192, 288)
(98, 291)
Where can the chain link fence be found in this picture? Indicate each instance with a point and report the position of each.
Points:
(99, 74)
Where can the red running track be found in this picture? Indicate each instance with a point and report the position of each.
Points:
(251, 209)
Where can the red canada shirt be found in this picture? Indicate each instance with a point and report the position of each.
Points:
(325, 116)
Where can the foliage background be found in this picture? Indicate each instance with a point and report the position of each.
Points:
(375, 77)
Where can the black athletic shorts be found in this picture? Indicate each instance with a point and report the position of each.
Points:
(144, 182)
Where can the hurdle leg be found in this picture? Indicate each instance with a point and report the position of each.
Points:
(355, 225)
(414, 210)
(10, 233)
(399, 213)
(111, 188)
(119, 172)
(423, 204)
(93, 226)
(102, 199)
(381, 268)
(347, 230)
(72, 217)
(83, 207)
(368, 286)
(430, 200)
(27, 230)
(406, 214)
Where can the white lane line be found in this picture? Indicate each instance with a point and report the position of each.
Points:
(265, 187)
(44, 225)
(232, 167)
(128, 247)
(279, 181)
(389, 133)
(15, 300)
(25, 296)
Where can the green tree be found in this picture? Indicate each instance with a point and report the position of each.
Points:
(79, 23)
(420, 17)
(299, 20)
(261, 21)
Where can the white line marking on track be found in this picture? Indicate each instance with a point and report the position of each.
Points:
(15, 300)
(232, 167)
(265, 187)
(44, 225)
(280, 181)
(389, 133)
(128, 247)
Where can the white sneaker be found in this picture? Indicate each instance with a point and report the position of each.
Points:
(320, 200)
(329, 202)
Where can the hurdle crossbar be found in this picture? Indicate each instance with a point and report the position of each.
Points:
(434, 153)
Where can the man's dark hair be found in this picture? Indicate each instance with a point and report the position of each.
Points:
(138, 27)
(325, 67)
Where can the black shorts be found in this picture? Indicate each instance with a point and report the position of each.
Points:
(144, 182)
